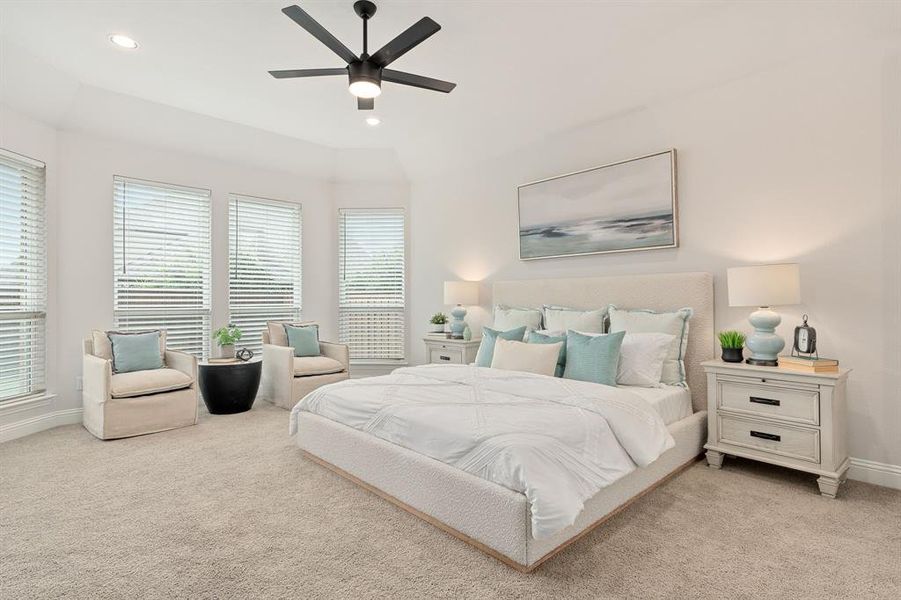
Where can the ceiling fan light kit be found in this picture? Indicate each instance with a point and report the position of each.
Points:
(366, 73)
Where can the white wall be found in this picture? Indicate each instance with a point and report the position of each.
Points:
(84, 245)
(798, 163)
(39, 141)
(80, 170)
(362, 194)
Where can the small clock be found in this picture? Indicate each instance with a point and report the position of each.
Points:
(805, 340)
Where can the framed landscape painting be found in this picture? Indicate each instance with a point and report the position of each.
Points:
(621, 207)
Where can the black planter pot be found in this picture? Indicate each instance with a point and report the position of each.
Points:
(732, 355)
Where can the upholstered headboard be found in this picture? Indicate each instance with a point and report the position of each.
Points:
(665, 291)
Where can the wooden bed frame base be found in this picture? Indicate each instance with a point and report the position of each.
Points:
(475, 543)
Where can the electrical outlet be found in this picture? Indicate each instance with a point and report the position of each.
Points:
(79, 383)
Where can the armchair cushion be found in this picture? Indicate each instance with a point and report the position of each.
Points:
(277, 334)
(306, 366)
(103, 348)
(143, 383)
(304, 340)
(136, 351)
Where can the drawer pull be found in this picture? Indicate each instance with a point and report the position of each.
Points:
(766, 436)
(442, 357)
(757, 400)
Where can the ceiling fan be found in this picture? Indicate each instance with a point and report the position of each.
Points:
(367, 72)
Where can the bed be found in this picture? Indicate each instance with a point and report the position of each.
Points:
(494, 518)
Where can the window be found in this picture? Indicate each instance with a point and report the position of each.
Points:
(264, 270)
(162, 261)
(371, 283)
(23, 276)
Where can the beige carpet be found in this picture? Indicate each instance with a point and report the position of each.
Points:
(229, 509)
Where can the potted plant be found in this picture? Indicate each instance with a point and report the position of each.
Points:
(438, 322)
(732, 343)
(225, 338)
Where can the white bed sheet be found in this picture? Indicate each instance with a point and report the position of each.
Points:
(557, 441)
(672, 402)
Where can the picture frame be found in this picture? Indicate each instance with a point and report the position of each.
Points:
(624, 206)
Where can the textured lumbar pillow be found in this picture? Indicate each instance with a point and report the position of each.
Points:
(592, 357)
(563, 318)
(674, 323)
(304, 339)
(536, 337)
(135, 351)
(530, 358)
(489, 337)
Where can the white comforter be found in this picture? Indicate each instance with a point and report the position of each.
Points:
(557, 441)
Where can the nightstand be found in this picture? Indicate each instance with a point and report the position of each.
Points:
(441, 350)
(780, 416)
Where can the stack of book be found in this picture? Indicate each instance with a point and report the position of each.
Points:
(810, 365)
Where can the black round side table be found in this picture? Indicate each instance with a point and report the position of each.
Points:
(229, 388)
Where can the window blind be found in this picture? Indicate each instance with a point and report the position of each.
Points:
(371, 284)
(23, 276)
(264, 271)
(162, 261)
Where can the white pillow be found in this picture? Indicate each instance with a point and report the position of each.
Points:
(641, 357)
(531, 358)
(563, 318)
(648, 321)
(511, 317)
(551, 332)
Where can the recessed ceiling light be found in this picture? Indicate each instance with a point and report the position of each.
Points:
(373, 121)
(123, 41)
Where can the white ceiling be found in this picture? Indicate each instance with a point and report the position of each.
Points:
(525, 69)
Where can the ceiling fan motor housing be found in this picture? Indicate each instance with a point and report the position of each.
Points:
(365, 70)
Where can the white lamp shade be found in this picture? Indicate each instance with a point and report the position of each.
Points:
(461, 292)
(764, 285)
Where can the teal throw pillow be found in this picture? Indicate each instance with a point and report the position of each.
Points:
(489, 337)
(304, 339)
(135, 351)
(540, 338)
(593, 357)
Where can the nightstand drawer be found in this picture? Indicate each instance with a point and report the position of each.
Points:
(794, 442)
(448, 356)
(801, 405)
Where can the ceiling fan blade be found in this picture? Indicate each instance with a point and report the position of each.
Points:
(419, 81)
(299, 16)
(406, 41)
(365, 103)
(289, 73)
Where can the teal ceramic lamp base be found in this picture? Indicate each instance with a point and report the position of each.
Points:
(764, 344)
(458, 324)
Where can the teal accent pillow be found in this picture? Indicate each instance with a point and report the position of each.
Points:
(489, 337)
(304, 339)
(593, 357)
(540, 338)
(135, 351)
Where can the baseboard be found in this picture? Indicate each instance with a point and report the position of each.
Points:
(875, 472)
(12, 431)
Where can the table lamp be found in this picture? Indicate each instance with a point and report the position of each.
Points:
(461, 293)
(764, 286)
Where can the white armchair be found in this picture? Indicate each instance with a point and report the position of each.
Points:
(287, 378)
(118, 405)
